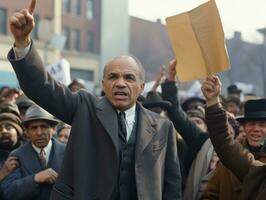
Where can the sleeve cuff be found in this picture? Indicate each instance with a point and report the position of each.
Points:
(21, 53)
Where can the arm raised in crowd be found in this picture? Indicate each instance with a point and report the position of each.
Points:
(180, 119)
(232, 155)
(34, 80)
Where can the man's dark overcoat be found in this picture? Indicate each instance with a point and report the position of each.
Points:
(90, 166)
(20, 183)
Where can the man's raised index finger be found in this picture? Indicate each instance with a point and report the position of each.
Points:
(32, 6)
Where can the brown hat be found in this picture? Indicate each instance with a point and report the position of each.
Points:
(35, 112)
(13, 120)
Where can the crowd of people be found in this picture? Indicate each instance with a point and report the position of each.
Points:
(59, 142)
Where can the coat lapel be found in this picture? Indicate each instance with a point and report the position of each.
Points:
(56, 155)
(31, 159)
(108, 117)
(146, 131)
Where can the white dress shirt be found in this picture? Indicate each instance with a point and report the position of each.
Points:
(46, 149)
(130, 120)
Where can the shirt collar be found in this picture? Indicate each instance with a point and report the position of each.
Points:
(47, 149)
(130, 114)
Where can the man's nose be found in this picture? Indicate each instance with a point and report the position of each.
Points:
(120, 82)
(257, 127)
(39, 130)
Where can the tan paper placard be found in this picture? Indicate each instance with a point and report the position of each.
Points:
(198, 41)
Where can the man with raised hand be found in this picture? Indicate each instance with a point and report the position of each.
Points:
(117, 149)
(240, 161)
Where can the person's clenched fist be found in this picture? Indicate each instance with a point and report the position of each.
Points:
(21, 24)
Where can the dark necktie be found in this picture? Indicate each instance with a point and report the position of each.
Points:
(122, 126)
(42, 157)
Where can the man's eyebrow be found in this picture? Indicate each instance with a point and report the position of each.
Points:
(112, 73)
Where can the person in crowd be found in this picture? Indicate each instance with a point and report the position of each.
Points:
(141, 99)
(118, 149)
(200, 150)
(233, 105)
(23, 103)
(224, 184)
(76, 85)
(154, 102)
(192, 103)
(239, 160)
(39, 160)
(63, 132)
(11, 131)
(197, 116)
(233, 90)
(9, 95)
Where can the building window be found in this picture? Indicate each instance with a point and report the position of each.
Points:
(75, 39)
(66, 32)
(90, 9)
(66, 6)
(76, 7)
(3, 20)
(34, 33)
(86, 75)
(90, 42)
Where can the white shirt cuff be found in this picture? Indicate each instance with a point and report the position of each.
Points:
(21, 52)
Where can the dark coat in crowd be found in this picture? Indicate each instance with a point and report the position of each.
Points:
(90, 167)
(251, 172)
(193, 136)
(20, 183)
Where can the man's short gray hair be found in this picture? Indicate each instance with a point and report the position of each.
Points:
(139, 64)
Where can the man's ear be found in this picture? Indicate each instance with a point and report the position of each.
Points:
(102, 85)
(142, 87)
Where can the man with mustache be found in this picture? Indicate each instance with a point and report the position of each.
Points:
(117, 149)
(39, 159)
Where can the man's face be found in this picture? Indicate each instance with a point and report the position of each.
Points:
(121, 82)
(200, 123)
(8, 136)
(232, 108)
(255, 132)
(39, 132)
(64, 135)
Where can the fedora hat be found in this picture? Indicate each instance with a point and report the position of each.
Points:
(254, 110)
(35, 112)
(154, 99)
(24, 102)
(192, 102)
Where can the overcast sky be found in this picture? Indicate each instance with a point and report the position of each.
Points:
(236, 15)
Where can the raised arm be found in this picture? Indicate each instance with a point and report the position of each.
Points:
(21, 24)
(232, 155)
(181, 121)
(31, 73)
